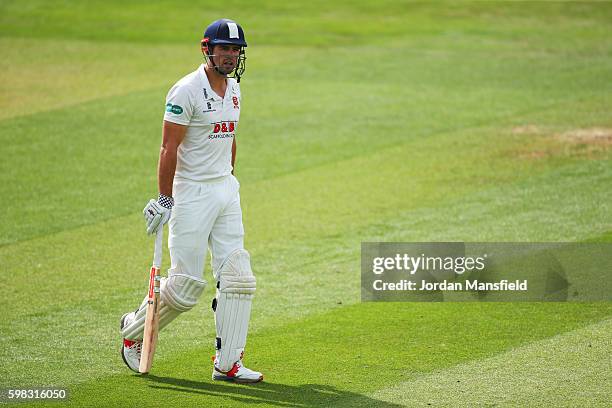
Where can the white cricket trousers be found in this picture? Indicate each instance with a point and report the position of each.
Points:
(204, 214)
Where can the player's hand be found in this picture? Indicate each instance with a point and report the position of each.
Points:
(157, 213)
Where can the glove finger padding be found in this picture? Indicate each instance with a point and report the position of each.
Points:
(154, 224)
(148, 211)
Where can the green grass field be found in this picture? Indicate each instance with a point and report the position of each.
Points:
(361, 121)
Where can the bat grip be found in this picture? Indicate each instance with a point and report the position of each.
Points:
(157, 255)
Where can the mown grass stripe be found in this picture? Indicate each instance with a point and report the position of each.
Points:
(567, 370)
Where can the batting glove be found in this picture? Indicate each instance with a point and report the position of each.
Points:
(157, 213)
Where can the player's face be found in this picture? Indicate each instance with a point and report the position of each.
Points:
(226, 57)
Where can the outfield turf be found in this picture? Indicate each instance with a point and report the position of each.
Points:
(361, 121)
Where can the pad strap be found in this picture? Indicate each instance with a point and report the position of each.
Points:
(238, 284)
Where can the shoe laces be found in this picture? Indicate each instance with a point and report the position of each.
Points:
(136, 346)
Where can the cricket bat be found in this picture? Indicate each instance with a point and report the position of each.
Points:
(151, 327)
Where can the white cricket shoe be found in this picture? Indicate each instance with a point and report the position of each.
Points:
(131, 349)
(238, 373)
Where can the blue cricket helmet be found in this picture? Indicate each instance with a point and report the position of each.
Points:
(224, 31)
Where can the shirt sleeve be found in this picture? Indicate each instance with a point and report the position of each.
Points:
(179, 105)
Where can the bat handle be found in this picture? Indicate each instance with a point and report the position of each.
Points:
(157, 255)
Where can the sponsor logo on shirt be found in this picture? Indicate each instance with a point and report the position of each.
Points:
(177, 110)
(235, 100)
(222, 130)
(224, 127)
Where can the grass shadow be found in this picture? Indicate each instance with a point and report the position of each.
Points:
(282, 395)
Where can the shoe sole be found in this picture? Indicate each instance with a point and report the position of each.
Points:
(244, 381)
(237, 380)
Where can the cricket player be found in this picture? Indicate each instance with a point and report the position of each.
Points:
(199, 199)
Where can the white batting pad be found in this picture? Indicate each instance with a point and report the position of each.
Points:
(236, 286)
(178, 293)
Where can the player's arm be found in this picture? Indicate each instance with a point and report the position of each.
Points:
(233, 153)
(172, 136)
(157, 212)
(177, 116)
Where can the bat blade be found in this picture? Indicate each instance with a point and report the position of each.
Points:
(151, 328)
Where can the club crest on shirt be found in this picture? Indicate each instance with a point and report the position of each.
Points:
(235, 100)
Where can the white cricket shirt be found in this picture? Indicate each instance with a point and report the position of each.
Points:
(206, 150)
